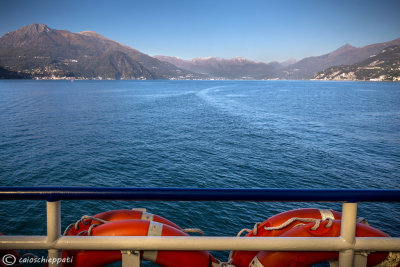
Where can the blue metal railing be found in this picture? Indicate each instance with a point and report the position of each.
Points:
(198, 194)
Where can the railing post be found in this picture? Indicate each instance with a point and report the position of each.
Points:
(360, 260)
(53, 230)
(130, 258)
(348, 233)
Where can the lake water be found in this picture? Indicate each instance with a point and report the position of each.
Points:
(201, 134)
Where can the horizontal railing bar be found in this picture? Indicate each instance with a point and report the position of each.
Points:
(200, 243)
(198, 194)
(212, 243)
(381, 244)
(24, 241)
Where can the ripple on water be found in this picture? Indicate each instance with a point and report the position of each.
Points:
(265, 134)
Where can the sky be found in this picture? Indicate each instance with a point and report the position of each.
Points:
(259, 30)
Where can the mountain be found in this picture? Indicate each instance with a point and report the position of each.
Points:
(41, 52)
(288, 62)
(385, 66)
(7, 74)
(239, 68)
(235, 68)
(345, 55)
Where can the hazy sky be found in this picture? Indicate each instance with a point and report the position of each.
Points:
(260, 30)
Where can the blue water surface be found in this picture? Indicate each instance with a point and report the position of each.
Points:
(201, 134)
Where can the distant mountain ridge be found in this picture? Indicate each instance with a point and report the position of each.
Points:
(43, 52)
(345, 55)
(39, 52)
(306, 68)
(385, 66)
(235, 68)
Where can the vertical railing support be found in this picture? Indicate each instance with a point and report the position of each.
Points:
(53, 230)
(130, 258)
(348, 233)
(360, 260)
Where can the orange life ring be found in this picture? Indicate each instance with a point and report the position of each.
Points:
(138, 228)
(117, 215)
(243, 258)
(308, 258)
